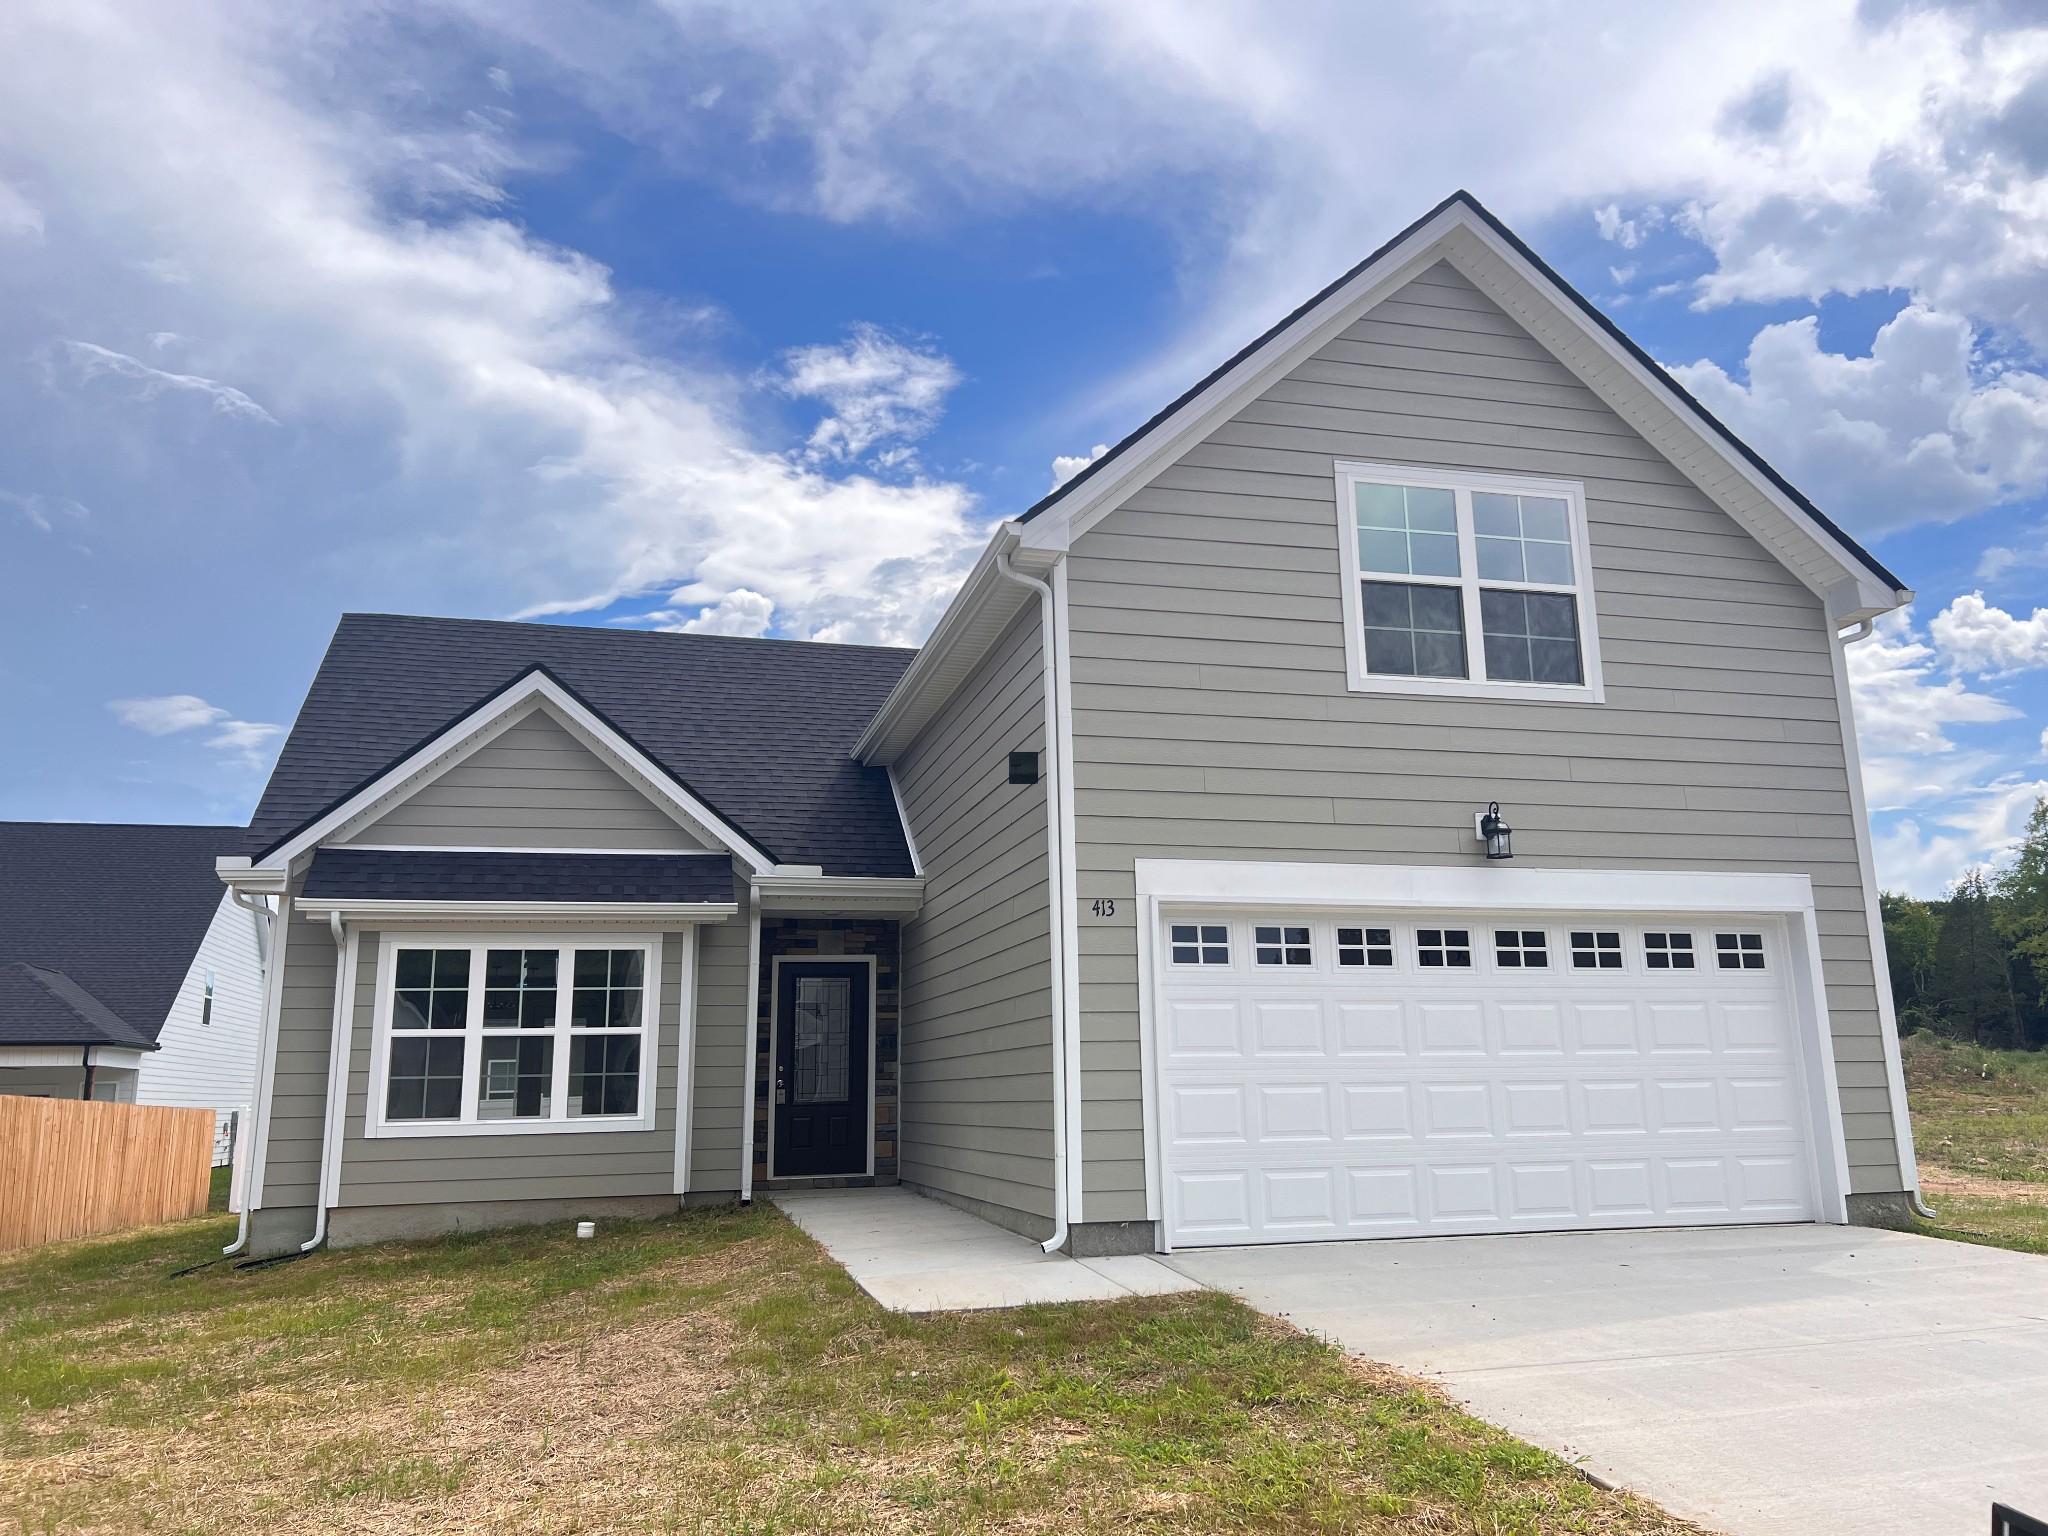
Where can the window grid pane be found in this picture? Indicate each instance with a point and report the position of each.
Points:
(1200, 944)
(1739, 951)
(1668, 951)
(1596, 950)
(608, 990)
(519, 988)
(604, 1075)
(1413, 631)
(1438, 948)
(1407, 530)
(1520, 949)
(433, 989)
(1365, 946)
(425, 1079)
(1530, 637)
(1282, 945)
(1522, 538)
(517, 1077)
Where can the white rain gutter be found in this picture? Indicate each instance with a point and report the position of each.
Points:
(1881, 979)
(337, 1057)
(753, 1039)
(1065, 1117)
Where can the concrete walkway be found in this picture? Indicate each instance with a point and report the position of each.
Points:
(917, 1255)
(1764, 1381)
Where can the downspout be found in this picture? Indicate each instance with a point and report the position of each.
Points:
(87, 1062)
(266, 1049)
(337, 1052)
(753, 1039)
(1881, 977)
(1056, 898)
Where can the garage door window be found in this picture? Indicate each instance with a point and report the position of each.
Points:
(1595, 950)
(1668, 951)
(1201, 944)
(1365, 946)
(1282, 946)
(1438, 948)
(1521, 949)
(1739, 951)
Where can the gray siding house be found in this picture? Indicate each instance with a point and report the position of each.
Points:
(1407, 787)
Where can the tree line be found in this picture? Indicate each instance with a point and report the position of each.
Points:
(1975, 966)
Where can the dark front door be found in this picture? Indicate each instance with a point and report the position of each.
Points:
(821, 1069)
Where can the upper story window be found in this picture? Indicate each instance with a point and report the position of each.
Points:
(1467, 584)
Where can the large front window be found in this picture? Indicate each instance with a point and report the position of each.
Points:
(1466, 583)
(513, 1034)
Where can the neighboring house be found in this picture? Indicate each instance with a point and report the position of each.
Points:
(1146, 904)
(126, 973)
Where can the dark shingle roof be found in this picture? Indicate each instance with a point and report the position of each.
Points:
(759, 730)
(444, 875)
(39, 1007)
(118, 910)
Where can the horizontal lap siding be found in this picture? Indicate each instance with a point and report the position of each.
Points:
(1212, 717)
(721, 1055)
(976, 1037)
(534, 786)
(298, 1096)
(414, 1170)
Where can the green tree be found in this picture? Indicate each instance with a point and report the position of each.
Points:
(1911, 933)
(2020, 914)
(1972, 976)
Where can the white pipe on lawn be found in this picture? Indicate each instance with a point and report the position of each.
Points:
(1057, 899)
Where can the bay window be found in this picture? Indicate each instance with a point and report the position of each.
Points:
(1461, 583)
(483, 1035)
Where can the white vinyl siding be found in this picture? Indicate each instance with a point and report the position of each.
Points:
(1213, 718)
(211, 1065)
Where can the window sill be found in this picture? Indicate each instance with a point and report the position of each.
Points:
(1463, 688)
(407, 1129)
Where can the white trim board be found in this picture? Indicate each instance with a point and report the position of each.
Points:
(775, 1047)
(1164, 884)
(485, 724)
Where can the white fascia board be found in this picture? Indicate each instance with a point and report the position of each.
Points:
(1451, 887)
(477, 729)
(1455, 235)
(840, 893)
(976, 618)
(116, 1056)
(382, 912)
(56, 1055)
(236, 872)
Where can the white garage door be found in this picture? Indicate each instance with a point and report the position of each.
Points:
(1387, 1076)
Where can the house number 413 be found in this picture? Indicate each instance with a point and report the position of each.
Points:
(1104, 906)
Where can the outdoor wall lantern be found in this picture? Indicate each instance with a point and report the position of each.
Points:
(1494, 831)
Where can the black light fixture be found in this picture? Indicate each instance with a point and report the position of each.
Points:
(1495, 832)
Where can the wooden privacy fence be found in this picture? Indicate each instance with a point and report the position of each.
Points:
(69, 1167)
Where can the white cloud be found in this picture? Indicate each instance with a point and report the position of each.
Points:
(96, 361)
(739, 612)
(167, 714)
(173, 713)
(1975, 637)
(43, 512)
(1067, 465)
(1924, 854)
(1916, 432)
(874, 387)
(1901, 708)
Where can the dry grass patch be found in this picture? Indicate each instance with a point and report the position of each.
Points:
(708, 1373)
(1980, 1131)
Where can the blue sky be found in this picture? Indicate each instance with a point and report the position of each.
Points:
(753, 317)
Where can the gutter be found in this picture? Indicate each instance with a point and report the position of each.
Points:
(1065, 1116)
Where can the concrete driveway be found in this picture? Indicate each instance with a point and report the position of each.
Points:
(1759, 1380)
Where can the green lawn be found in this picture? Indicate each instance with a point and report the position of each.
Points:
(706, 1373)
(1980, 1130)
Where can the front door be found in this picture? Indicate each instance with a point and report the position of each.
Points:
(821, 1069)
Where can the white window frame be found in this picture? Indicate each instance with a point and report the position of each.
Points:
(1476, 684)
(377, 1127)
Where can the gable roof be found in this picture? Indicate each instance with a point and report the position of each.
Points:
(1462, 206)
(759, 731)
(114, 912)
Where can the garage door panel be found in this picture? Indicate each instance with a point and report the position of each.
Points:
(1305, 1102)
(1293, 1112)
(1377, 1111)
(1288, 1029)
(1372, 1029)
(1452, 1028)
